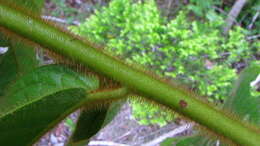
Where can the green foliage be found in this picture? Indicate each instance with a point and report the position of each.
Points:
(147, 113)
(191, 51)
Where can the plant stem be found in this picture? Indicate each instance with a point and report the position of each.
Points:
(65, 44)
(107, 95)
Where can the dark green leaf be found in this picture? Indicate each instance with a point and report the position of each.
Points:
(38, 101)
(19, 59)
(89, 123)
(8, 71)
(102, 117)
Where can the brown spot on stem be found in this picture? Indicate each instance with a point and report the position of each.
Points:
(183, 103)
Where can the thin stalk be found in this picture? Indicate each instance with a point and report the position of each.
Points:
(107, 95)
(179, 100)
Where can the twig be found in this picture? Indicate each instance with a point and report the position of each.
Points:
(51, 18)
(232, 15)
(220, 10)
(169, 7)
(170, 134)
(250, 26)
(124, 135)
(160, 131)
(253, 37)
(106, 143)
(223, 12)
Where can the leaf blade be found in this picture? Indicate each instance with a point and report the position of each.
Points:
(26, 114)
(241, 102)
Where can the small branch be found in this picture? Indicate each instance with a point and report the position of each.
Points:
(253, 37)
(160, 131)
(170, 134)
(59, 20)
(169, 7)
(223, 12)
(250, 26)
(220, 10)
(232, 15)
(106, 143)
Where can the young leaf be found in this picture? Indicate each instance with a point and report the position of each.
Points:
(38, 101)
(89, 123)
(102, 117)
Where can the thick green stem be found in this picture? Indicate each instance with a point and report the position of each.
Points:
(62, 43)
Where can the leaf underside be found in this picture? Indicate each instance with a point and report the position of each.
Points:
(38, 101)
(89, 123)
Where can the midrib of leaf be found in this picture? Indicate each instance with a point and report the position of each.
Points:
(53, 119)
(89, 99)
(31, 101)
(6, 109)
(61, 117)
(38, 91)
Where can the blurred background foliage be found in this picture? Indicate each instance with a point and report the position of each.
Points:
(182, 40)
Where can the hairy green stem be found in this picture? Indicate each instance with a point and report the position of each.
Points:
(181, 101)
